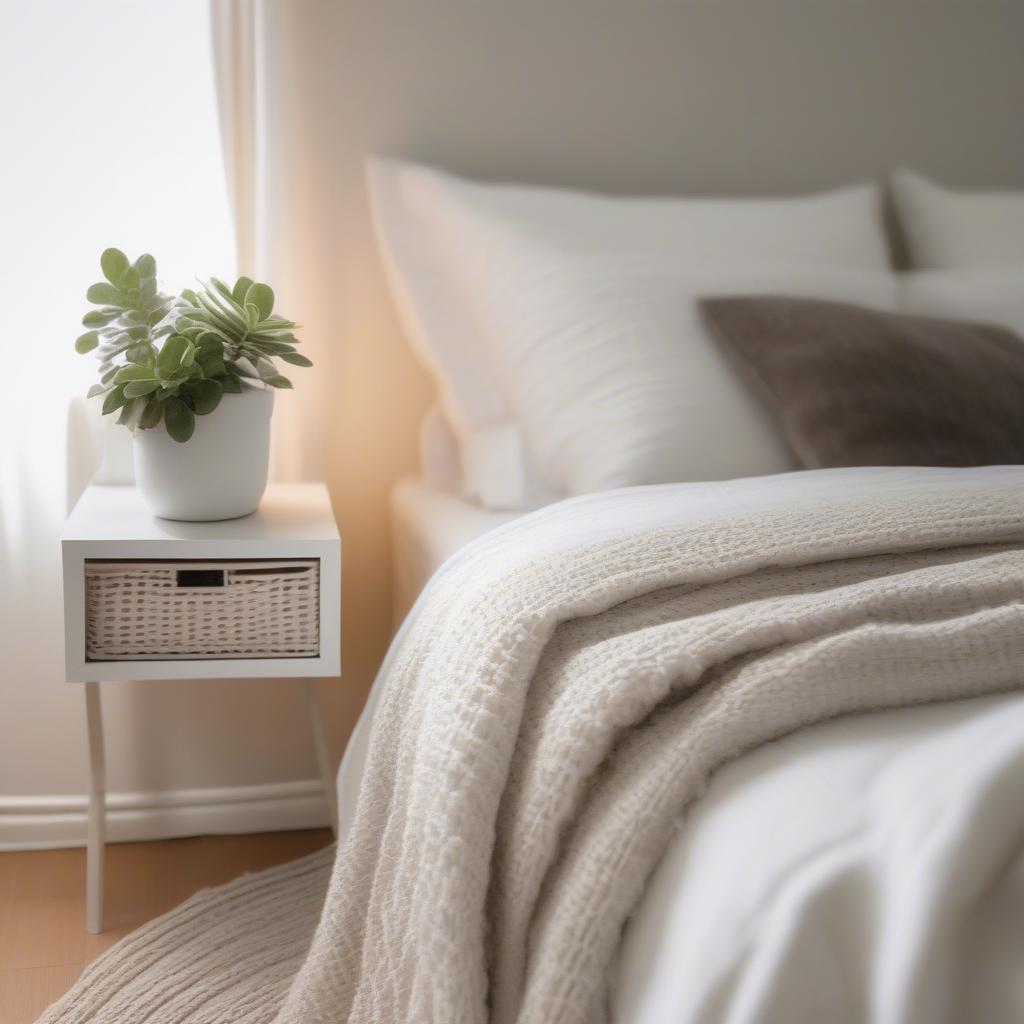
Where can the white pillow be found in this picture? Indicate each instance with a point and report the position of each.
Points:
(614, 377)
(495, 459)
(946, 228)
(993, 296)
(444, 239)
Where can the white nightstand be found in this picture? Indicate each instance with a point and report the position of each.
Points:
(149, 598)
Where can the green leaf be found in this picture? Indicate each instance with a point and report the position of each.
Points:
(252, 314)
(113, 263)
(210, 354)
(98, 317)
(146, 265)
(104, 294)
(262, 297)
(205, 395)
(242, 285)
(221, 286)
(208, 343)
(231, 383)
(193, 370)
(152, 415)
(133, 372)
(242, 369)
(138, 388)
(131, 412)
(225, 303)
(225, 311)
(212, 366)
(113, 346)
(272, 348)
(218, 333)
(190, 326)
(96, 389)
(277, 381)
(265, 368)
(109, 374)
(114, 334)
(143, 354)
(87, 342)
(114, 400)
(263, 335)
(176, 350)
(179, 419)
(296, 359)
(131, 281)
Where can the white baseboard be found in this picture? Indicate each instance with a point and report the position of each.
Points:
(44, 822)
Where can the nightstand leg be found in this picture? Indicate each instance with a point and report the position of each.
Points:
(97, 813)
(323, 756)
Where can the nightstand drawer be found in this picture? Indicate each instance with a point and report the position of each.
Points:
(185, 609)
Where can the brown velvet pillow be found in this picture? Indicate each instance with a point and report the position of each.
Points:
(857, 387)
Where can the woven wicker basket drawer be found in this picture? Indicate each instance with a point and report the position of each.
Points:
(144, 611)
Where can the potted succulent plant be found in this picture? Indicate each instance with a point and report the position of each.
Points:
(192, 376)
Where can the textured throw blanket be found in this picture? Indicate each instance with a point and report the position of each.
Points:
(560, 696)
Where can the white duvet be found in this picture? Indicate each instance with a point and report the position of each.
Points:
(878, 855)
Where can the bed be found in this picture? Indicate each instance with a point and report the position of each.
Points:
(723, 936)
(833, 810)
(846, 911)
(429, 523)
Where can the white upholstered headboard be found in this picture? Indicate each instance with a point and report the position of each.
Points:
(671, 96)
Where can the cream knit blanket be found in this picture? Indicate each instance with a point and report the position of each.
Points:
(560, 697)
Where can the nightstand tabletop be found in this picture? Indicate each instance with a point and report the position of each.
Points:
(290, 517)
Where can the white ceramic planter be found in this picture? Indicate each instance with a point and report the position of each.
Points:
(220, 472)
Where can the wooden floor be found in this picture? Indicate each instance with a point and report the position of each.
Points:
(43, 942)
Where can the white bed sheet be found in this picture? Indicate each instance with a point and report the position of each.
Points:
(779, 887)
(428, 525)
